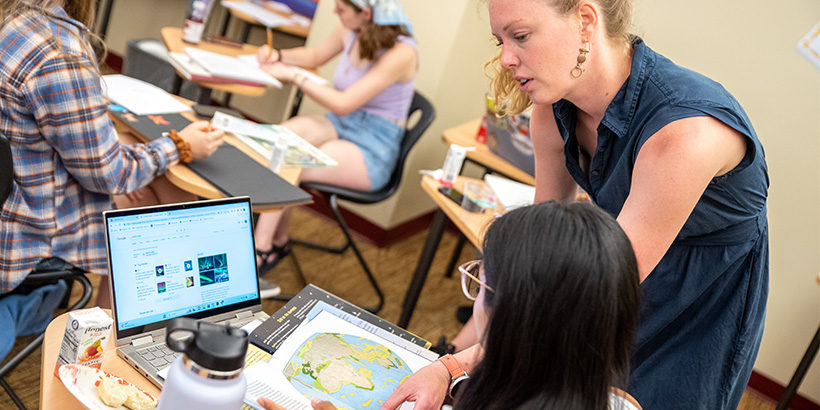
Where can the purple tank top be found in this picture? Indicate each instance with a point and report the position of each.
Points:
(393, 102)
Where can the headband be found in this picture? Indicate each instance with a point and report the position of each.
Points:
(386, 13)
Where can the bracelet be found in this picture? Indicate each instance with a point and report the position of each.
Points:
(299, 78)
(183, 147)
(154, 158)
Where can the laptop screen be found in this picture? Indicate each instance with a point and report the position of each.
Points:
(194, 259)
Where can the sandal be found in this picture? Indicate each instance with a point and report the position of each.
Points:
(281, 252)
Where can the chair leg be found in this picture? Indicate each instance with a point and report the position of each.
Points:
(298, 268)
(451, 267)
(338, 215)
(788, 395)
(69, 286)
(12, 394)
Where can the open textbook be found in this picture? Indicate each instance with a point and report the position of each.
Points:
(262, 138)
(328, 356)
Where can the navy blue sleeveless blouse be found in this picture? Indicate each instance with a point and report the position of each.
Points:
(704, 304)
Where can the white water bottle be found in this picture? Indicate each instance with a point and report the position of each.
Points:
(208, 376)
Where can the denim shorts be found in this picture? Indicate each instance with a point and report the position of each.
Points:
(378, 139)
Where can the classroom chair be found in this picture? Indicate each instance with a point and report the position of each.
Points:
(47, 286)
(332, 193)
(802, 368)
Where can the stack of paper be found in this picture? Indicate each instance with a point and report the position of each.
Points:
(139, 97)
(227, 67)
(511, 194)
(250, 59)
(189, 69)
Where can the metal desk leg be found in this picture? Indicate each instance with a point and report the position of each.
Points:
(246, 32)
(224, 31)
(422, 268)
(451, 267)
(176, 85)
(204, 96)
(788, 395)
(104, 10)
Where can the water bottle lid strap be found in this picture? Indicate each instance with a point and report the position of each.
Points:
(208, 373)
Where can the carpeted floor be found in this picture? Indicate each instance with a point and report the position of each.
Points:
(434, 315)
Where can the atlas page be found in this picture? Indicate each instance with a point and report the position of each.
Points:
(262, 137)
(334, 360)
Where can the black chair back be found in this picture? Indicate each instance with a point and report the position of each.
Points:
(6, 169)
(412, 134)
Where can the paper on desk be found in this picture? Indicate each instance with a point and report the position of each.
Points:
(511, 194)
(226, 66)
(139, 97)
(261, 14)
(250, 59)
(279, 6)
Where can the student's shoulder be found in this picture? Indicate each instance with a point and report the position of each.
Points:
(402, 50)
(30, 39)
(30, 30)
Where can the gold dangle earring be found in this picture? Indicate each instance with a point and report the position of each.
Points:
(577, 70)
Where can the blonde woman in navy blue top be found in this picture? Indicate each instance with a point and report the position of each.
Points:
(669, 153)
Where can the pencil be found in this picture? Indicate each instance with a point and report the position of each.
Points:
(270, 41)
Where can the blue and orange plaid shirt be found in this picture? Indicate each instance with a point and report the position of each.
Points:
(67, 158)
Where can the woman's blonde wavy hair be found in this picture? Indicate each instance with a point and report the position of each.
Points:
(83, 11)
(504, 89)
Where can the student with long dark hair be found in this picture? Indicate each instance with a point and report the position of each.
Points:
(556, 307)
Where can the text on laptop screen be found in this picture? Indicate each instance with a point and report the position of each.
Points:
(179, 262)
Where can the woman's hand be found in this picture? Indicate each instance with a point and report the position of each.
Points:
(280, 71)
(203, 138)
(266, 55)
(317, 404)
(426, 387)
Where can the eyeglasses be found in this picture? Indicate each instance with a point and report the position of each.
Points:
(470, 283)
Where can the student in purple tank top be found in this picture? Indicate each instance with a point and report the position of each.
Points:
(367, 105)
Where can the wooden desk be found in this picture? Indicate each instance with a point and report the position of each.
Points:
(295, 30)
(464, 135)
(53, 395)
(187, 180)
(471, 224)
(172, 37)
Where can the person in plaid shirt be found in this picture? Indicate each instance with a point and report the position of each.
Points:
(67, 159)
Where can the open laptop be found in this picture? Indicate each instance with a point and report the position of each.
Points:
(192, 260)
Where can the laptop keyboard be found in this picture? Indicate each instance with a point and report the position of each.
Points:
(159, 356)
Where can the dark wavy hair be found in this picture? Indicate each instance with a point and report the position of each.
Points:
(373, 37)
(563, 314)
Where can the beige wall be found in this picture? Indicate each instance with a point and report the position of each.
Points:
(453, 45)
(748, 46)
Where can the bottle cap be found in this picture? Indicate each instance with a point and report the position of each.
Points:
(214, 347)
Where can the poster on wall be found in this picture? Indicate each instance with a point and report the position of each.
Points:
(809, 46)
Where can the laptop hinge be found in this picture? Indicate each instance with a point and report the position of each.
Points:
(142, 341)
(244, 314)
